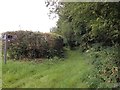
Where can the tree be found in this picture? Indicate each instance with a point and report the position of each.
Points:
(87, 23)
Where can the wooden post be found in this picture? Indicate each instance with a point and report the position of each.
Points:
(5, 49)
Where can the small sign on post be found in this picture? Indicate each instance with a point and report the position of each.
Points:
(5, 48)
(7, 38)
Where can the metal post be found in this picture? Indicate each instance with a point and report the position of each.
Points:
(5, 49)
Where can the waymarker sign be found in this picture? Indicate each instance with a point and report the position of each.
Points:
(6, 38)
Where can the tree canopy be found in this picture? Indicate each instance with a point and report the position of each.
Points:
(84, 23)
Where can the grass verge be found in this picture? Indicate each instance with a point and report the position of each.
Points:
(68, 73)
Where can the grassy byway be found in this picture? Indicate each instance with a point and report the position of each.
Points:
(0, 66)
(69, 73)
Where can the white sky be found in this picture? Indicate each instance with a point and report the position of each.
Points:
(25, 15)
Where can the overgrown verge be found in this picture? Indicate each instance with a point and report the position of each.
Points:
(106, 62)
(27, 44)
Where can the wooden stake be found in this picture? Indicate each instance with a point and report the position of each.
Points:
(5, 49)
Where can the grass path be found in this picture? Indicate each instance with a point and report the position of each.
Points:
(0, 65)
(70, 73)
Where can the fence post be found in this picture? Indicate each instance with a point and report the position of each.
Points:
(5, 49)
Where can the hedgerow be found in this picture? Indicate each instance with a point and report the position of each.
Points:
(28, 44)
(106, 61)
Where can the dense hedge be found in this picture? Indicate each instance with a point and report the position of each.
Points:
(106, 62)
(83, 24)
(27, 44)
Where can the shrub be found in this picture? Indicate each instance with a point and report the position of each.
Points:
(29, 44)
(106, 62)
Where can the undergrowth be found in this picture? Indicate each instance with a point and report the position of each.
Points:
(106, 65)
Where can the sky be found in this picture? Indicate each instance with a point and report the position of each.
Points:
(25, 15)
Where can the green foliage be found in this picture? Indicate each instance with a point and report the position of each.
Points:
(29, 44)
(87, 23)
(105, 61)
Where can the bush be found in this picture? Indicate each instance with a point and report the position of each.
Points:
(27, 44)
(106, 62)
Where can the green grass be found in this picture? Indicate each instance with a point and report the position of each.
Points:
(71, 72)
(0, 73)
